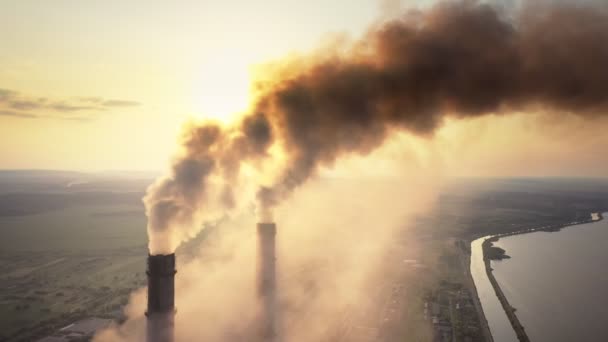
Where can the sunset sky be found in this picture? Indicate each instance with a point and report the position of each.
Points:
(175, 59)
(105, 85)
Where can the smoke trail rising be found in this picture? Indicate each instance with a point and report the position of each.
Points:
(458, 59)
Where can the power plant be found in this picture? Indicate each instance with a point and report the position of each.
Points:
(161, 290)
(161, 298)
(266, 280)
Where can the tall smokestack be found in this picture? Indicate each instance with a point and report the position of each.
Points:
(266, 280)
(161, 298)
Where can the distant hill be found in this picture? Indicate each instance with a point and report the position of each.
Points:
(39, 174)
(45, 181)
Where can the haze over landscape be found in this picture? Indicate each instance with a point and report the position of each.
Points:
(386, 151)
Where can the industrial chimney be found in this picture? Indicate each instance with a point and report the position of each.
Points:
(161, 298)
(266, 281)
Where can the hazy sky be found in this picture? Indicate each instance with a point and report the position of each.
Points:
(176, 59)
(98, 85)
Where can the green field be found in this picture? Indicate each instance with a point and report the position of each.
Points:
(68, 264)
(67, 254)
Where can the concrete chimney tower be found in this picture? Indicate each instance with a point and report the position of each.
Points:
(161, 298)
(266, 280)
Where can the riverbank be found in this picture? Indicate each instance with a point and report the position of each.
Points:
(509, 310)
(487, 244)
(552, 228)
(487, 333)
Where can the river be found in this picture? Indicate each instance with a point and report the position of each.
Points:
(556, 281)
(499, 324)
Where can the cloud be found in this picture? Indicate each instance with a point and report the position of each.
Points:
(120, 103)
(69, 107)
(5, 94)
(16, 104)
(17, 114)
(25, 104)
(109, 102)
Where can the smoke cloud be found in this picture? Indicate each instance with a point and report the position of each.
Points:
(323, 263)
(458, 59)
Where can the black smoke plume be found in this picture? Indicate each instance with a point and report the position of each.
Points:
(457, 59)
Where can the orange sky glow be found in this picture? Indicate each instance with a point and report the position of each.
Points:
(108, 87)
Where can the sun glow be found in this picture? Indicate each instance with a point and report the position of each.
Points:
(221, 91)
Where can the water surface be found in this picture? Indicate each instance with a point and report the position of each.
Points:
(499, 324)
(557, 282)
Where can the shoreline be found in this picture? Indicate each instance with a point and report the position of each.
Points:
(508, 309)
(476, 301)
